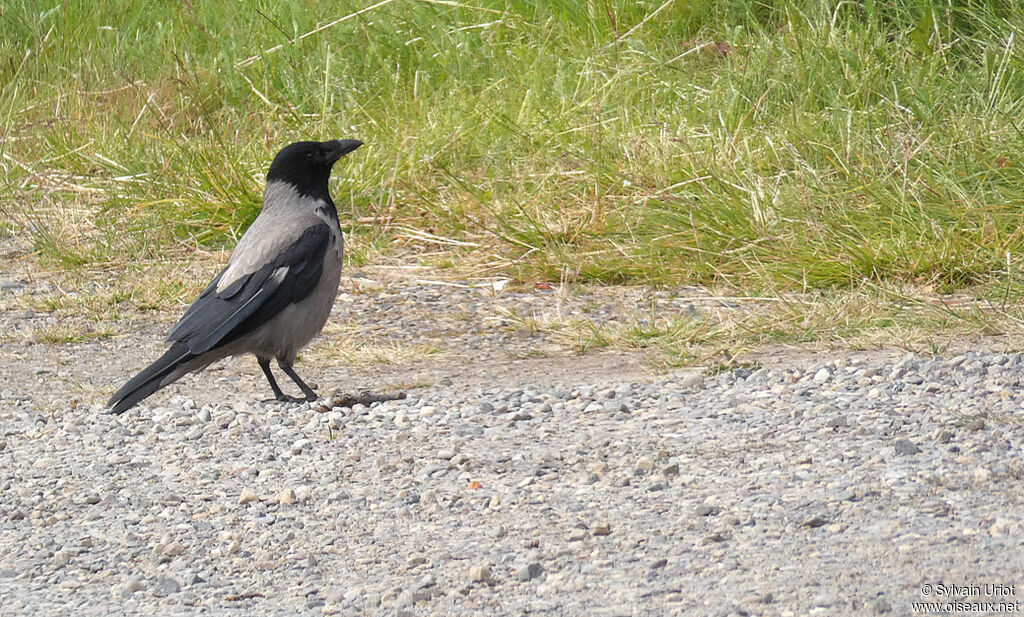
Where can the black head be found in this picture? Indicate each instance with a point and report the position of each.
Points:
(307, 164)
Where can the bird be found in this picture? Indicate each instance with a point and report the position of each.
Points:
(277, 289)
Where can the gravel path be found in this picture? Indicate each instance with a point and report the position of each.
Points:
(510, 485)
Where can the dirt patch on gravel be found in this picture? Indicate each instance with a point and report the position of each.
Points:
(396, 327)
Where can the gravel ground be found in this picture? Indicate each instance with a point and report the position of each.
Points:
(507, 483)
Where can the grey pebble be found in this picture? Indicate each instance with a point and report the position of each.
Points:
(530, 572)
(165, 586)
(692, 380)
(814, 521)
(905, 447)
(427, 580)
(974, 424)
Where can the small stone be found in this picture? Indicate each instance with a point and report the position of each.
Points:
(404, 599)
(486, 407)
(905, 447)
(836, 422)
(644, 465)
(300, 445)
(530, 572)
(62, 557)
(480, 573)
(416, 560)
(247, 496)
(707, 510)
(286, 496)
(204, 414)
(577, 535)
(173, 549)
(166, 586)
(92, 499)
(1003, 526)
(671, 470)
(814, 521)
(936, 507)
(943, 436)
(692, 380)
(427, 410)
(427, 580)
(846, 495)
(974, 424)
(823, 374)
(602, 529)
(826, 600)
(659, 564)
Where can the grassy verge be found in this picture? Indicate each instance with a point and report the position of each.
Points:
(764, 148)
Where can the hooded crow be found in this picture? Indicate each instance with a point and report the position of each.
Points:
(279, 285)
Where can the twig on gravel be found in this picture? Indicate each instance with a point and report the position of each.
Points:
(244, 596)
(364, 398)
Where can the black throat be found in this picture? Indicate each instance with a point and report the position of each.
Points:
(307, 181)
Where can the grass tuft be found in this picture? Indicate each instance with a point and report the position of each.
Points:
(767, 148)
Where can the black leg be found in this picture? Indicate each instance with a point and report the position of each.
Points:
(287, 368)
(265, 365)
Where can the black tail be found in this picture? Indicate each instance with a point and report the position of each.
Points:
(150, 379)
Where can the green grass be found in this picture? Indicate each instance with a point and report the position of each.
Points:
(769, 147)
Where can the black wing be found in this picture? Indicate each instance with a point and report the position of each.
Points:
(216, 318)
